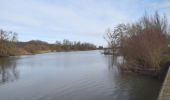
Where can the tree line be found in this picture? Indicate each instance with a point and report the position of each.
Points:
(7, 43)
(10, 46)
(143, 44)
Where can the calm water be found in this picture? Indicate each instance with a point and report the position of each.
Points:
(85, 75)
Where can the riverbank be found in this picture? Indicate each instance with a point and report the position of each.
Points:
(15, 48)
(22, 53)
(165, 90)
(159, 73)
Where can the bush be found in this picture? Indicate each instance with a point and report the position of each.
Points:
(144, 43)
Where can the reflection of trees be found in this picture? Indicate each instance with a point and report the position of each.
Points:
(129, 86)
(8, 70)
(114, 62)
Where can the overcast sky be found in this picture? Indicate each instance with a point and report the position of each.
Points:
(84, 20)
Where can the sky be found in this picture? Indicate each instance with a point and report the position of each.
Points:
(76, 20)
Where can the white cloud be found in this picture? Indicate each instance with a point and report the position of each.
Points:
(90, 17)
(163, 5)
(70, 17)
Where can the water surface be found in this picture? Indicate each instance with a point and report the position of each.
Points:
(81, 75)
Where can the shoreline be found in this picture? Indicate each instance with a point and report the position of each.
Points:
(43, 52)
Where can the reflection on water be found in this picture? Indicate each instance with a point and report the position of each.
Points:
(8, 71)
(114, 61)
(130, 86)
(83, 75)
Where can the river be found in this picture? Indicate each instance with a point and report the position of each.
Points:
(80, 75)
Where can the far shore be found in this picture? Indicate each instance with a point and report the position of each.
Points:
(43, 52)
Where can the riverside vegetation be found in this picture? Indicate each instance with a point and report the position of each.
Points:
(10, 46)
(143, 44)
